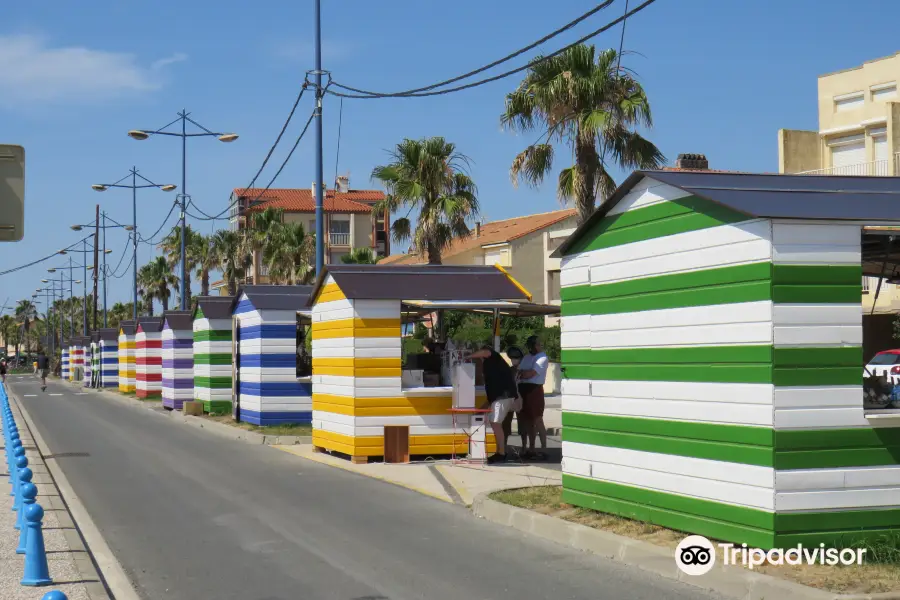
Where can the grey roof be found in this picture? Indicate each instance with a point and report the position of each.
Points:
(422, 282)
(109, 334)
(149, 324)
(215, 307)
(775, 196)
(95, 335)
(275, 297)
(178, 320)
(127, 327)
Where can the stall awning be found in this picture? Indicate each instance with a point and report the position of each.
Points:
(414, 309)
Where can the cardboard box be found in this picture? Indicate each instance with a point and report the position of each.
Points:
(432, 379)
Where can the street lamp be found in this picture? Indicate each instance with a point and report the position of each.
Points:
(134, 187)
(143, 134)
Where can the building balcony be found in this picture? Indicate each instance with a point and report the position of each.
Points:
(872, 168)
(338, 239)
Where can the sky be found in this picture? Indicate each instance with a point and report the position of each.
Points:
(722, 78)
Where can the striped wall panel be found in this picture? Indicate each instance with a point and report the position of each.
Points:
(148, 364)
(714, 375)
(76, 357)
(357, 387)
(177, 367)
(212, 364)
(88, 360)
(109, 364)
(64, 371)
(127, 374)
(270, 393)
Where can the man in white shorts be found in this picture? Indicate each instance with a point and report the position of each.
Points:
(500, 388)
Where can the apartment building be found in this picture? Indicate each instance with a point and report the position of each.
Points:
(350, 219)
(521, 245)
(859, 134)
(859, 125)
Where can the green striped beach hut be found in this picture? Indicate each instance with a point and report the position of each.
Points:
(712, 348)
(212, 353)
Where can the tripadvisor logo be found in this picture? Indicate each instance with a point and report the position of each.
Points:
(696, 555)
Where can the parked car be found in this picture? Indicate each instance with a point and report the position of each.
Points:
(886, 363)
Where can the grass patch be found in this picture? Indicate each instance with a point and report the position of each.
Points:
(301, 429)
(881, 573)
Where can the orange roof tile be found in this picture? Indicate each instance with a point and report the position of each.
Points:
(496, 232)
(301, 200)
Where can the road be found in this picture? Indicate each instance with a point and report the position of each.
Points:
(191, 515)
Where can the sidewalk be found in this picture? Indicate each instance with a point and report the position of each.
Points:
(457, 483)
(70, 563)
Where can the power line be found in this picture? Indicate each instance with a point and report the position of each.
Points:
(125, 271)
(500, 61)
(622, 39)
(149, 241)
(265, 160)
(40, 260)
(337, 156)
(274, 177)
(372, 95)
(121, 258)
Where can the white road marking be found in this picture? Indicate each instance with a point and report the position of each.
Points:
(54, 394)
(30, 395)
(81, 394)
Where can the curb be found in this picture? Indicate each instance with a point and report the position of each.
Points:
(219, 429)
(87, 535)
(733, 582)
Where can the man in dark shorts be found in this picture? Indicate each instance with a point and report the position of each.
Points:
(3, 369)
(44, 367)
(500, 388)
(532, 375)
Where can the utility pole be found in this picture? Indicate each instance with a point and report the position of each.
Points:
(320, 188)
(96, 248)
(104, 270)
(184, 299)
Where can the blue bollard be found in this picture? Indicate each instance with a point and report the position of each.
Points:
(29, 493)
(55, 595)
(21, 463)
(17, 452)
(25, 476)
(36, 570)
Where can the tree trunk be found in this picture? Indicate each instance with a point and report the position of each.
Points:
(434, 254)
(204, 282)
(164, 298)
(585, 174)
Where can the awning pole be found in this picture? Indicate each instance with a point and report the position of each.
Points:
(496, 330)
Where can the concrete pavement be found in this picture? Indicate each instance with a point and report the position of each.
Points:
(190, 514)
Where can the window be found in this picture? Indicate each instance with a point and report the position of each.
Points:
(865, 285)
(884, 91)
(851, 101)
(847, 153)
(339, 233)
(553, 293)
(497, 256)
(885, 359)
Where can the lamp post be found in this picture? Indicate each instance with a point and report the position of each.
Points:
(71, 279)
(105, 251)
(143, 134)
(134, 187)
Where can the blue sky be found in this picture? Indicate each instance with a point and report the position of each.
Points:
(722, 77)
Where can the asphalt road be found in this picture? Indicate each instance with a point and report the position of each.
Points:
(191, 515)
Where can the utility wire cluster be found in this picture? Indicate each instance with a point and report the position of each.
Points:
(40, 260)
(431, 90)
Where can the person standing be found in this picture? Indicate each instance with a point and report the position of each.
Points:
(43, 365)
(532, 375)
(500, 389)
(3, 370)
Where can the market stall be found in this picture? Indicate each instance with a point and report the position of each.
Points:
(212, 353)
(712, 346)
(271, 382)
(127, 376)
(361, 391)
(148, 357)
(108, 358)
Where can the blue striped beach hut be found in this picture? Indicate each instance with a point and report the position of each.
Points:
(109, 358)
(268, 390)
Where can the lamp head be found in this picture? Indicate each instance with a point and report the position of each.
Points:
(51, 270)
(129, 228)
(63, 252)
(168, 187)
(45, 281)
(90, 267)
(228, 137)
(107, 251)
(138, 134)
(77, 281)
(99, 188)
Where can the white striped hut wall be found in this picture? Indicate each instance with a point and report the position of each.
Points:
(109, 363)
(126, 351)
(177, 367)
(148, 363)
(212, 364)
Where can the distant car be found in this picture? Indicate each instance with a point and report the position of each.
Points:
(886, 363)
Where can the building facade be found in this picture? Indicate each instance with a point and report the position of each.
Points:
(521, 245)
(859, 134)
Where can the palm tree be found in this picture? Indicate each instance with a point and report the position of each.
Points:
(582, 99)
(359, 256)
(9, 331)
(262, 226)
(120, 312)
(171, 247)
(288, 252)
(25, 313)
(227, 253)
(205, 257)
(428, 175)
(155, 278)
